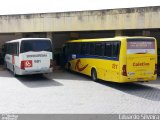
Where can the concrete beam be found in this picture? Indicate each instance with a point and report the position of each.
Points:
(116, 19)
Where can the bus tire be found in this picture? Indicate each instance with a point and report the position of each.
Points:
(94, 75)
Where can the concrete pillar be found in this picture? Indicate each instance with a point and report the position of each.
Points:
(18, 35)
(74, 35)
(146, 33)
(118, 33)
(49, 35)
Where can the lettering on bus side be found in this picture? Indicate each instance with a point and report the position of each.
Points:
(141, 64)
(114, 66)
(38, 55)
(152, 58)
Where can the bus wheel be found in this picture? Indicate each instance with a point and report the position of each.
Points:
(94, 75)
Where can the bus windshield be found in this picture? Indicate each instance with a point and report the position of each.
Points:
(35, 45)
(140, 46)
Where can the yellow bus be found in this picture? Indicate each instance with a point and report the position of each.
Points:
(119, 59)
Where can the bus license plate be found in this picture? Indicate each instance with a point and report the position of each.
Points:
(140, 79)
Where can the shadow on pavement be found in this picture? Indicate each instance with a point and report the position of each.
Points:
(136, 89)
(65, 75)
(6, 73)
(36, 81)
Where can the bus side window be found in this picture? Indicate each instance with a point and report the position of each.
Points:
(108, 50)
(87, 49)
(8, 48)
(116, 49)
(15, 48)
(72, 48)
(17, 44)
(92, 48)
(83, 48)
(78, 48)
(12, 49)
(99, 49)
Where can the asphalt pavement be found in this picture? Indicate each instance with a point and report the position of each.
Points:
(64, 92)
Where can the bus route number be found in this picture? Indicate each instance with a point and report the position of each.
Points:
(37, 61)
(114, 66)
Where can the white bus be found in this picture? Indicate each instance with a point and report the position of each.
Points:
(29, 56)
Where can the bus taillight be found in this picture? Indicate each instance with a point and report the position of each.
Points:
(155, 71)
(124, 70)
(23, 65)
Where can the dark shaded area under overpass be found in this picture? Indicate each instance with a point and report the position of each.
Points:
(59, 38)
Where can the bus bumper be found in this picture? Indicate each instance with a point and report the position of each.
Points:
(38, 71)
(134, 79)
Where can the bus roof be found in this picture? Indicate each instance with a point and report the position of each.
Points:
(21, 39)
(119, 38)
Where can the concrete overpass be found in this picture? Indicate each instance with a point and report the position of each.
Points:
(81, 24)
(116, 19)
